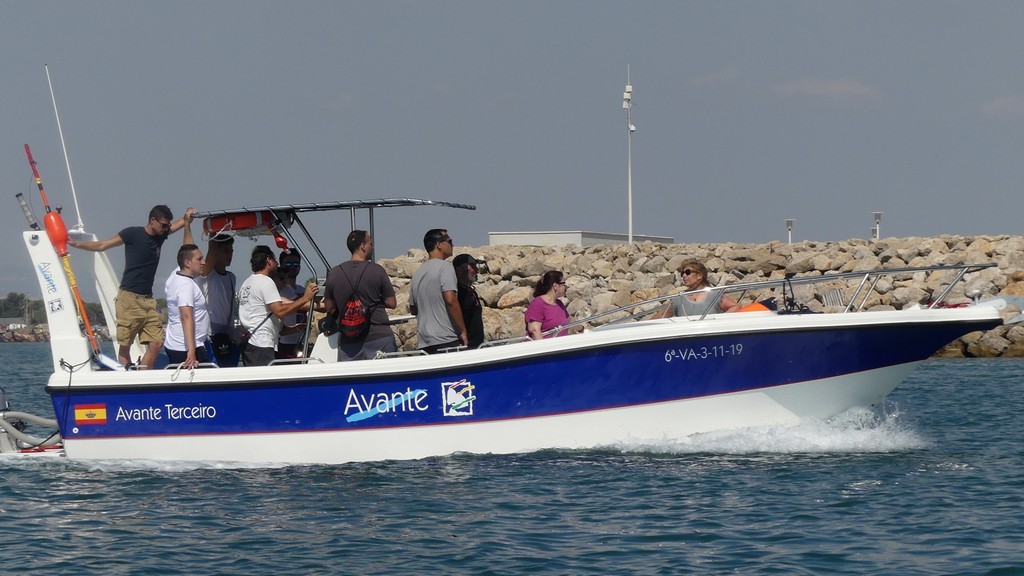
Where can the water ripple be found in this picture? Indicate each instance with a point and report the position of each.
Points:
(929, 484)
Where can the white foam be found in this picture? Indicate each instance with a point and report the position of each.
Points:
(858, 430)
(170, 465)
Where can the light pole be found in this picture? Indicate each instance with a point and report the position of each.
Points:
(789, 229)
(627, 104)
(878, 225)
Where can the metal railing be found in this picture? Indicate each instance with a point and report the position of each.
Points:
(714, 294)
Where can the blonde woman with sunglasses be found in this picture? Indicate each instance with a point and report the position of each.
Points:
(695, 277)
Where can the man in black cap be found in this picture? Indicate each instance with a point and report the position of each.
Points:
(472, 307)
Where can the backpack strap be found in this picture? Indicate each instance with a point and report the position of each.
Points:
(262, 322)
(369, 308)
(358, 280)
(234, 308)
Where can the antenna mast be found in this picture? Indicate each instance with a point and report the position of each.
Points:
(627, 104)
(79, 227)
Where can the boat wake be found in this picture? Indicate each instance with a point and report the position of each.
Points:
(858, 430)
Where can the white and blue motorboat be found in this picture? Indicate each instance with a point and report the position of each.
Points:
(621, 383)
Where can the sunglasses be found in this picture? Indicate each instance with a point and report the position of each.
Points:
(562, 282)
(687, 272)
(448, 240)
(291, 264)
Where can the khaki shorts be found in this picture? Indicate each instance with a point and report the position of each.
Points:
(137, 316)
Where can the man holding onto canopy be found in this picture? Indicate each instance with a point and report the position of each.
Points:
(218, 285)
(135, 307)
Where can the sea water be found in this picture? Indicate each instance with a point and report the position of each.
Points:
(932, 483)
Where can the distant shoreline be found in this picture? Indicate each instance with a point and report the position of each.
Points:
(40, 333)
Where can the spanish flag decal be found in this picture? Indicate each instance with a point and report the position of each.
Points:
(90, 414)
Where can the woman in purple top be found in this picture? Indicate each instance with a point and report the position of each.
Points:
(546, 311)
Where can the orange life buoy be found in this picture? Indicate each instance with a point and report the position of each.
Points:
(244, 223)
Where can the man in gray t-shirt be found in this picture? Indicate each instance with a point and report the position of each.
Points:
(369, 282)
(434, 299)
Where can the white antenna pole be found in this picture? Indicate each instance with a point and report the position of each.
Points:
(80, 226)
(627, 103)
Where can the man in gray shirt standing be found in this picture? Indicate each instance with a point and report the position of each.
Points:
(367, 281)
(434, 299)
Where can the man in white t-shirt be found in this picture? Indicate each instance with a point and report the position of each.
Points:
(188, 323)
(261, 308)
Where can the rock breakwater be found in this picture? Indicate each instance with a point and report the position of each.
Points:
(602, 278)
(38, 334)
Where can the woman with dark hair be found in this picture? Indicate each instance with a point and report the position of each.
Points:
(546, 311)
(695, 277)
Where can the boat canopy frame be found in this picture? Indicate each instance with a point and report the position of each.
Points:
(287, 214)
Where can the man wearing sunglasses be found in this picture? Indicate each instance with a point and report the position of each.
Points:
(261, 308)
(433, 297)
(135, 308)
(289, 268)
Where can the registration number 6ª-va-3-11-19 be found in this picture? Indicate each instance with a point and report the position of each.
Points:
(703, 352)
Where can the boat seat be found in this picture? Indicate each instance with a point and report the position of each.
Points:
(325, 349)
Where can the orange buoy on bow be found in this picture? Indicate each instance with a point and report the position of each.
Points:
(57, 232)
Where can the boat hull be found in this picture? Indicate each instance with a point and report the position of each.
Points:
(649, 381)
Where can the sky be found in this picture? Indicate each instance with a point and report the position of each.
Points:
(747, 114)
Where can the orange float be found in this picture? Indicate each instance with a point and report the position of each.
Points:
(241, 223)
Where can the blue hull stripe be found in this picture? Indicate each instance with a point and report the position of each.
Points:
(570, 382)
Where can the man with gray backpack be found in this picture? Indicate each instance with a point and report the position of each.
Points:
(356, 295)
